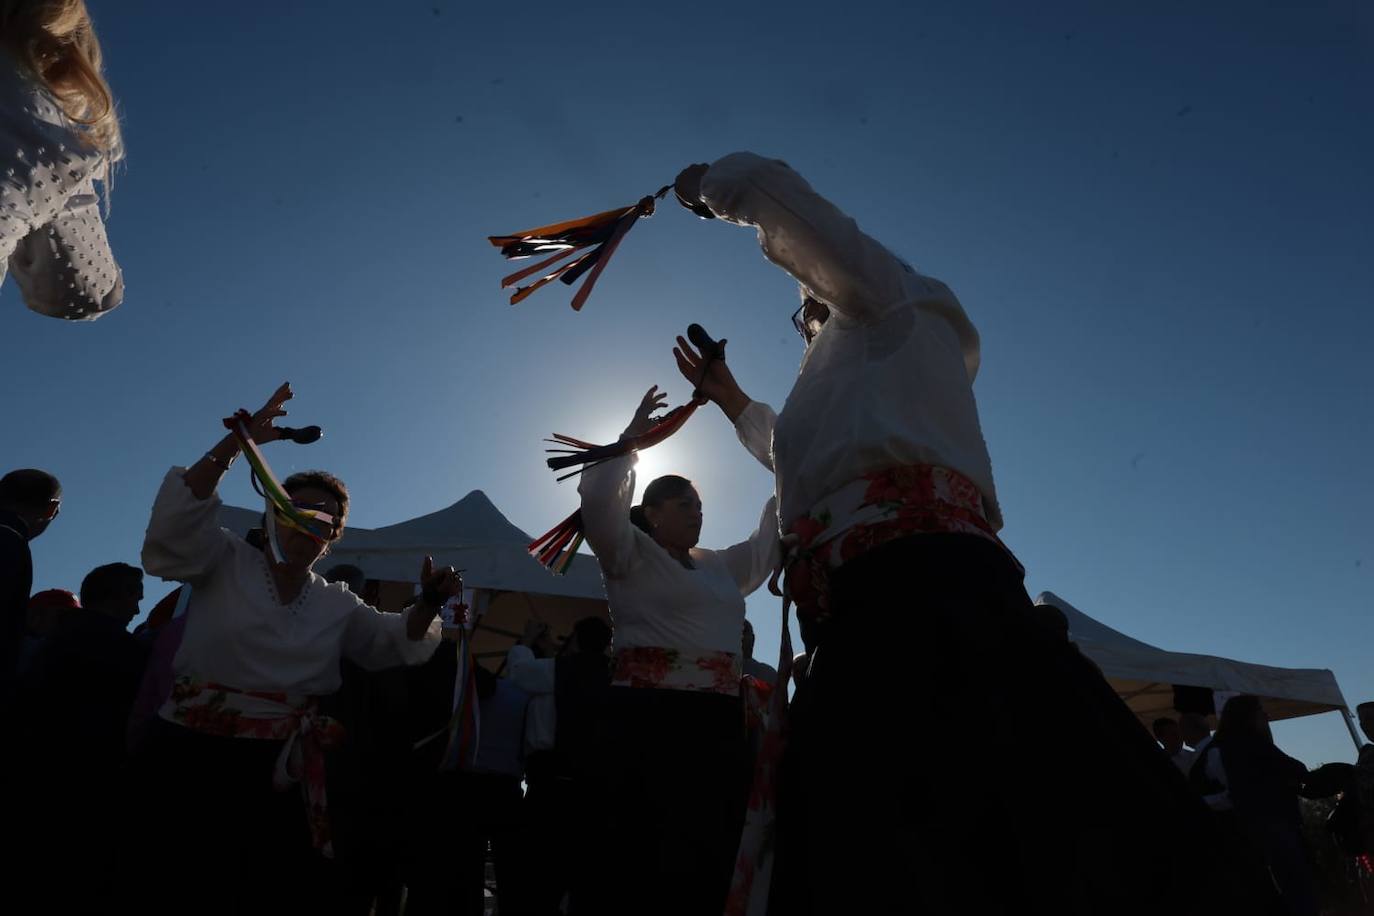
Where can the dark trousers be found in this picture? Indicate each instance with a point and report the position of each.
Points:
(62, 798)
(667, 784)
(1284, 851)
(461, 815)
(948, 754)
(217, 837)
(369, 832)
(554, 835)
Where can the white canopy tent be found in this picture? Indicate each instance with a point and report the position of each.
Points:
(506, 585)
(1145, 676)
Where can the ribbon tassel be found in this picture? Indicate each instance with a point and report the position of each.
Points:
(605, 231)
(588, 455)
(277, 501)
(556, 548)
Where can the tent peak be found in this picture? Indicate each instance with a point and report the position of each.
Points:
(1083, 628)
(472, 519)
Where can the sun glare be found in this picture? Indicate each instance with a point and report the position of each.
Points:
(664, 458)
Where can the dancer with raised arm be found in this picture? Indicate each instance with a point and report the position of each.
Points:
(918, 776)
(236, 759)
(672, 727)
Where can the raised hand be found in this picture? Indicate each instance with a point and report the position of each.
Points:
(687, 187)
(260, 428)
(643, 419)
(718, 384)
(438, 585)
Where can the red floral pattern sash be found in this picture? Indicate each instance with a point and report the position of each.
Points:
(873, 510)
(677, 669)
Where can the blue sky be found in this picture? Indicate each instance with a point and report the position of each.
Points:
(1159, 219)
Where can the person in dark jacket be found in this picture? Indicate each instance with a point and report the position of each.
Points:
(29, 501)
(1263, 783)
(74, 699)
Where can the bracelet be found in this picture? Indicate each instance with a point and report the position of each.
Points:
(217, 462)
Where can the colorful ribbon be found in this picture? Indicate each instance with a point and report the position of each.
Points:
(604, 230)
(556, 548)
(589, 455)
(319, 525)
(753, 877)
(464, 729)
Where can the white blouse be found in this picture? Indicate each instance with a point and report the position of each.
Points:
(238, 634)
(51, 233)
(535, 676)
(889, 379)
(654, 599)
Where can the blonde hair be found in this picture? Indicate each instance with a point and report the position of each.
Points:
(55, 41)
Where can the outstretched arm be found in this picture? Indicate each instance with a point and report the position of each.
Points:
(607, 489)
(802, 232)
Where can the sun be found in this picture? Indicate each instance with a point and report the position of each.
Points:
(664, 458)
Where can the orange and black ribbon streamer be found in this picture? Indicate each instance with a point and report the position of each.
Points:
(593, 239)
(556, 548)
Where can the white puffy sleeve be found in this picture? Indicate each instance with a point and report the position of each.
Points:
(65, 269)
(184, 541)
(754, 427)
(607, 492)
(752, 561)
(806, 235)
(51, 234)
(533, 675)
(375, 640)
(823, 249)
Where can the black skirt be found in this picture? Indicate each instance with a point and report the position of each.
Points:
(949, 754)
(218, 838)
(667, 785)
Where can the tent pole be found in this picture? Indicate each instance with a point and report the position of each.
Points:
(1350, 724)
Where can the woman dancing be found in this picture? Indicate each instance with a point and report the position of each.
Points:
(946, 754)
(672, 728)
(263, 640)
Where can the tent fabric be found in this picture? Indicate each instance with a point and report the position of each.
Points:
(471, 535)
(1144, 676)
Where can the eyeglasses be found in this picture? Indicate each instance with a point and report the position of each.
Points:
(808, 319)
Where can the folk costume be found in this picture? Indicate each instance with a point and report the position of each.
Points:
(671, 735)
(913, 766)
(236, 763)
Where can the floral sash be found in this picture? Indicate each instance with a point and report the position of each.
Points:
(226, 712)
(872, 510)
(677, 669)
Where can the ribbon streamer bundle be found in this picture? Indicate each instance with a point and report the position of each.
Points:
(465, 727)
(589, 456)
(556, 548)
(321, 526)
(600, 232)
